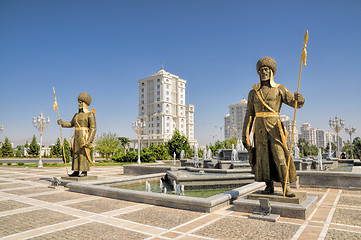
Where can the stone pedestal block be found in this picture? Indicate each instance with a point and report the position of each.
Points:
(299, 207)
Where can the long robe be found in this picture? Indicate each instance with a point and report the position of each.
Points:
(270, 162)
(84, 133)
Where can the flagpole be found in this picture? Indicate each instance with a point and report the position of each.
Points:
(303, 62)
(61, 134)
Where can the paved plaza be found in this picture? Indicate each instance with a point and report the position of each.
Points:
(31, 210)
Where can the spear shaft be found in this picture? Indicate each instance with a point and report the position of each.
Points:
(61, 133)
(303, 62)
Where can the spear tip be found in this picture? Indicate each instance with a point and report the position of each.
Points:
(306, 37)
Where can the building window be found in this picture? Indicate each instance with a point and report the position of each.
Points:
(167, 92)
(158, 99)
(142, 89)
(167, 98)
(158, 80)
(158, 92)
(158, 124)
(142, 95)
(167, 86)
(142, 108)
(143, 84)
(157, 131)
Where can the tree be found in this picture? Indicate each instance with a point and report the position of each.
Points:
(21, 150)
(57, 150)
(357, 148)
(226, 144)
(124, 142)
(219, 145)
(34, 148)
(314, 150)
(129, 157)
(160, 152)
(107, 144)
(18, 153)
(6, 149)
(304, 146)
(347, 148)
(66, 150)
(213, 149)
(146, 155)
(178, 143)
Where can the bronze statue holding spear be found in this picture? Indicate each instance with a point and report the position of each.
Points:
(84, 134)
(269, 156)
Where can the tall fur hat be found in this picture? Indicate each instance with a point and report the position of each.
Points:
(267, 62)
(85, 98)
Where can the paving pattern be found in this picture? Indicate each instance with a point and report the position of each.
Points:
(31, 210)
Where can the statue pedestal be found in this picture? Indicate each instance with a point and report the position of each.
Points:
(300, 206)
(86, 178)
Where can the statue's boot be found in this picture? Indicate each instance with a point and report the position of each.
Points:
(289, 192)
(74, 174)
(269, 188)
(83, 174)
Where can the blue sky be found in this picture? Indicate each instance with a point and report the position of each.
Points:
(104, 47)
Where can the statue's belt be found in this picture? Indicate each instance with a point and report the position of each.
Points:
(82, 128)
(267, 114)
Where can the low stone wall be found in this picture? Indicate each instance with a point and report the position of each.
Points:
(344, 180)
(102, 188)
(135, 169)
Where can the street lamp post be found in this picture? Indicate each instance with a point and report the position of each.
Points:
(138, 127)
(337, 124)
(41, 123)
(350, 131)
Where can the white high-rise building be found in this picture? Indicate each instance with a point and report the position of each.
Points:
(162, 107)
(321, 138)
(233, 122)
(308, 133)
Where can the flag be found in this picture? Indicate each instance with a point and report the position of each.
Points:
(55, 106)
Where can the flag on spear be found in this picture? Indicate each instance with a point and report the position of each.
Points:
(55, 106)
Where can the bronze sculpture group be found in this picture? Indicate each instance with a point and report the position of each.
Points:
(268, 153)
